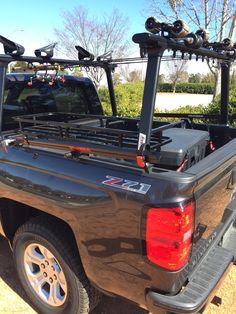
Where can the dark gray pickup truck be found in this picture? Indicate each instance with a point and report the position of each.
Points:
(139, 208)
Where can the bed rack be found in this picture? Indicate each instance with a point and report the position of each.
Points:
(93, 134)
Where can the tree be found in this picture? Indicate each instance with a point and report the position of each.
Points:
(208, 78)
(216, 16)
(177, 72)
(135, 76)
(116, 78)
(161, 78)
(98, 36)
(194, 78)
(233, 78)
(131, 74)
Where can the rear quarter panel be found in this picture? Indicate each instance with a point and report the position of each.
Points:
(107, 221)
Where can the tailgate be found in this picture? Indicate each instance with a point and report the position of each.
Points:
(214, 189)
(210, 271)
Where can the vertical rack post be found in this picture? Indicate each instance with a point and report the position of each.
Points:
(149, 98)
(111, 90)
(224, 104)
(3, 67)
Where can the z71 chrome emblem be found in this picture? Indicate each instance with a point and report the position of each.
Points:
(127, 185)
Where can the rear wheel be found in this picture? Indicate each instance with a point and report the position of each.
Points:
(50, 270)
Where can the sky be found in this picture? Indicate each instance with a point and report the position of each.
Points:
(32, 23)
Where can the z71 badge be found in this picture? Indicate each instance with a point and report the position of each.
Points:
(127, 185)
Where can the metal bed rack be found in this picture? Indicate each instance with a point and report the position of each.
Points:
(108, 136)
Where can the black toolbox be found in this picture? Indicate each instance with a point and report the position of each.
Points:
(187, 147)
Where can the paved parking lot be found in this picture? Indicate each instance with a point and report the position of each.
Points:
(14, 301)
(170, 101)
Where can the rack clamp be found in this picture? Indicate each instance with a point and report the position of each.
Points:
(45, 52)
(11, 48)
(105, 57)
(84, 54)
(142, 157)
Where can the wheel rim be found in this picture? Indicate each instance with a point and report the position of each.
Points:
(45, 274)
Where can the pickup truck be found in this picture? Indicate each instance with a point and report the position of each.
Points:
(139, 208)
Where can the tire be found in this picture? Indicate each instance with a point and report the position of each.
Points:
(50, 269)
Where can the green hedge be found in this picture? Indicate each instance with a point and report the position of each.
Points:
(129, 100)
(214, 107)
(129, 95)
(188, 109)
(192, 88)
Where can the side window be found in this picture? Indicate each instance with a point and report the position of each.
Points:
(28, 92)
(6, 92)
(12, 106)
(95, 106)
(21, 99)
(38, 98)
(70, 97)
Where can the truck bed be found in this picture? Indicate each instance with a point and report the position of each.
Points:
(78, 190)
(173, 145)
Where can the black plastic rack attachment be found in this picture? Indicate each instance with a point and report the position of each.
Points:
(45, 52)
(11, 48)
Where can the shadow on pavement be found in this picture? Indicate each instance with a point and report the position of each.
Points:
(7, 271)
(8, 275)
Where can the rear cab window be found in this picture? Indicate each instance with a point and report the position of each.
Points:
(24, 96)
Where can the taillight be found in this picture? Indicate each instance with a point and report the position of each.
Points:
(169, 235)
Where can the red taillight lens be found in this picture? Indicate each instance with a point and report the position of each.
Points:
(169, 235)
